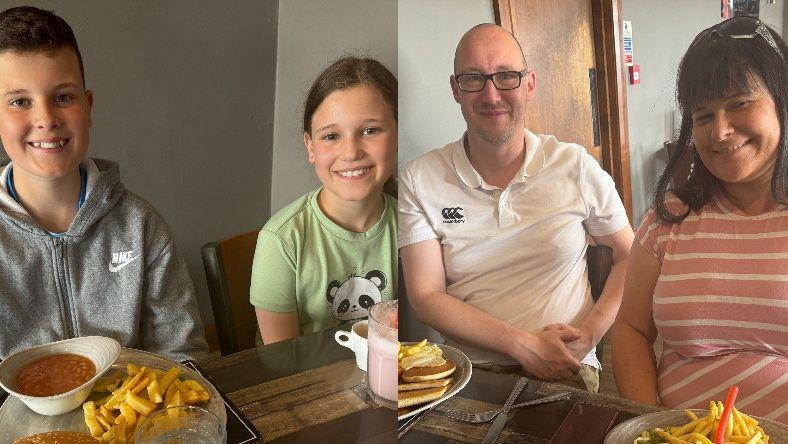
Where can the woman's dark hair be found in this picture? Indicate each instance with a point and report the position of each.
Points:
(348, 72)
(26, 29)
(712, 69)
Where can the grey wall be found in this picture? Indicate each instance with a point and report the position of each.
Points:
(184, 102)
(785, 17)
(429, 118)
(774, 14)
(662, 31)
(313, 33)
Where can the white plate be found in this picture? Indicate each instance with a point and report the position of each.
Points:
(626, 432)
(17, 421)
(461, 377)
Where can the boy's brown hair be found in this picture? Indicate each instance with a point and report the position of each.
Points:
(26, 29)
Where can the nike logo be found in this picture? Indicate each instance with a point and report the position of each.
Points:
(122, 259)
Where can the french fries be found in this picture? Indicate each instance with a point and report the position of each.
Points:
(740, 429)
(114, 418)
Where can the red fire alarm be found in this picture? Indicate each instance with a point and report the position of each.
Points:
(634, 74)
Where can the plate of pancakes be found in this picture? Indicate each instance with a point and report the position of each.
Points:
(428, 375)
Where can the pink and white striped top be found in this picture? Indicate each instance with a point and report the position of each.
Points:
(721, 306)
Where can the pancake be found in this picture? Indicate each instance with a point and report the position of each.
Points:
(414, 397)
(58, 438)
(426, 384)
(421, 374)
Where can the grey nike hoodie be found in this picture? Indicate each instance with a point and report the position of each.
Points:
(115, 272)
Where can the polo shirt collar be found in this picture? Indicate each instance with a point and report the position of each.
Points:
(535, 158)
(469, 176)
(533, 163)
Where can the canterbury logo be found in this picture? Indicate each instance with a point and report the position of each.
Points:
(121, 259)
(452, 215)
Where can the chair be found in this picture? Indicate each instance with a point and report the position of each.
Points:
(599, 259)
(228, 271)
(391, 187)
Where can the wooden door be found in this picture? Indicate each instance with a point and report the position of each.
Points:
(559, 46)
(574, 48)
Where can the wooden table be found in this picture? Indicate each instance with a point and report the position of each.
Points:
(304, 390)
(535, 424)
(309, 390)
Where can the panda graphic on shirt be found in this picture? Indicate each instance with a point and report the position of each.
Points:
(352, 298)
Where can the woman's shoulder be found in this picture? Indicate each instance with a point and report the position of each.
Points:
(653, 224)
(672, 205)
(675, 205)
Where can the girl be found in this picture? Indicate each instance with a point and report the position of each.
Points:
(330, 255)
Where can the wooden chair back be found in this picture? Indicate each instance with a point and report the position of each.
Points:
(228, 271)
(391, 187)
(600, 260)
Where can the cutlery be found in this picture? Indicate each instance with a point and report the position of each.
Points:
(410, 422)
(476, 418)
(501, 420)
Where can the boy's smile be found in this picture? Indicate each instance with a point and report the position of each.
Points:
(44, 113)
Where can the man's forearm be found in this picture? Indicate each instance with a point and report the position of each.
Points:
(465, 322)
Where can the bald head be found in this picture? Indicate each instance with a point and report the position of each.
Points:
(485, 35)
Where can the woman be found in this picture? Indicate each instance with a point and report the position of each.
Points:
(709, 268)
(330, 255)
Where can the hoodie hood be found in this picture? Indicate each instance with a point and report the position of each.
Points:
(104, 190)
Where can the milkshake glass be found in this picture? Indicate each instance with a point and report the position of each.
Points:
(382, 354)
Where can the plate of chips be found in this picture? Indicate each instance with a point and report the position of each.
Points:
(139, 383)
(690, 426)
(428, 375)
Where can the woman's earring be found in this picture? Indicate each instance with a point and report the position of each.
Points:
(693, 159)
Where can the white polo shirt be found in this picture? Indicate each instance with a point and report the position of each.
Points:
(517, 253)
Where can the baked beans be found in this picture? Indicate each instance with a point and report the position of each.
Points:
(53, 375)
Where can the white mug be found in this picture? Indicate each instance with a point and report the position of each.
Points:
(356, 340)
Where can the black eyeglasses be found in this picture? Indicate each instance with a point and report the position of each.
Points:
(503, 81)
(742, 27)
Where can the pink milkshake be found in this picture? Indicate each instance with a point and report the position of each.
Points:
(382, 354)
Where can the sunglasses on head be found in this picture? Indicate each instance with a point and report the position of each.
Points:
(742, 27)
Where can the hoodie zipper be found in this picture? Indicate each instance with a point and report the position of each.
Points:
(68, 322)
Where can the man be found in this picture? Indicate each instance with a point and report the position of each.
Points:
(493, 227)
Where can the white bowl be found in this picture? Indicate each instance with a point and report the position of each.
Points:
(102, 351)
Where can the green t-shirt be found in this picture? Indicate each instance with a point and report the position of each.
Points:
(304, 262)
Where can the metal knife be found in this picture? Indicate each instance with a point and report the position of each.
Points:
(410, 422)
(503, 417)
(543, 400)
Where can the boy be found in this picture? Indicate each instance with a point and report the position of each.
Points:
(79, 255)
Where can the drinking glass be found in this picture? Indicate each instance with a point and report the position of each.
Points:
(183, 424)
(382, 354)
